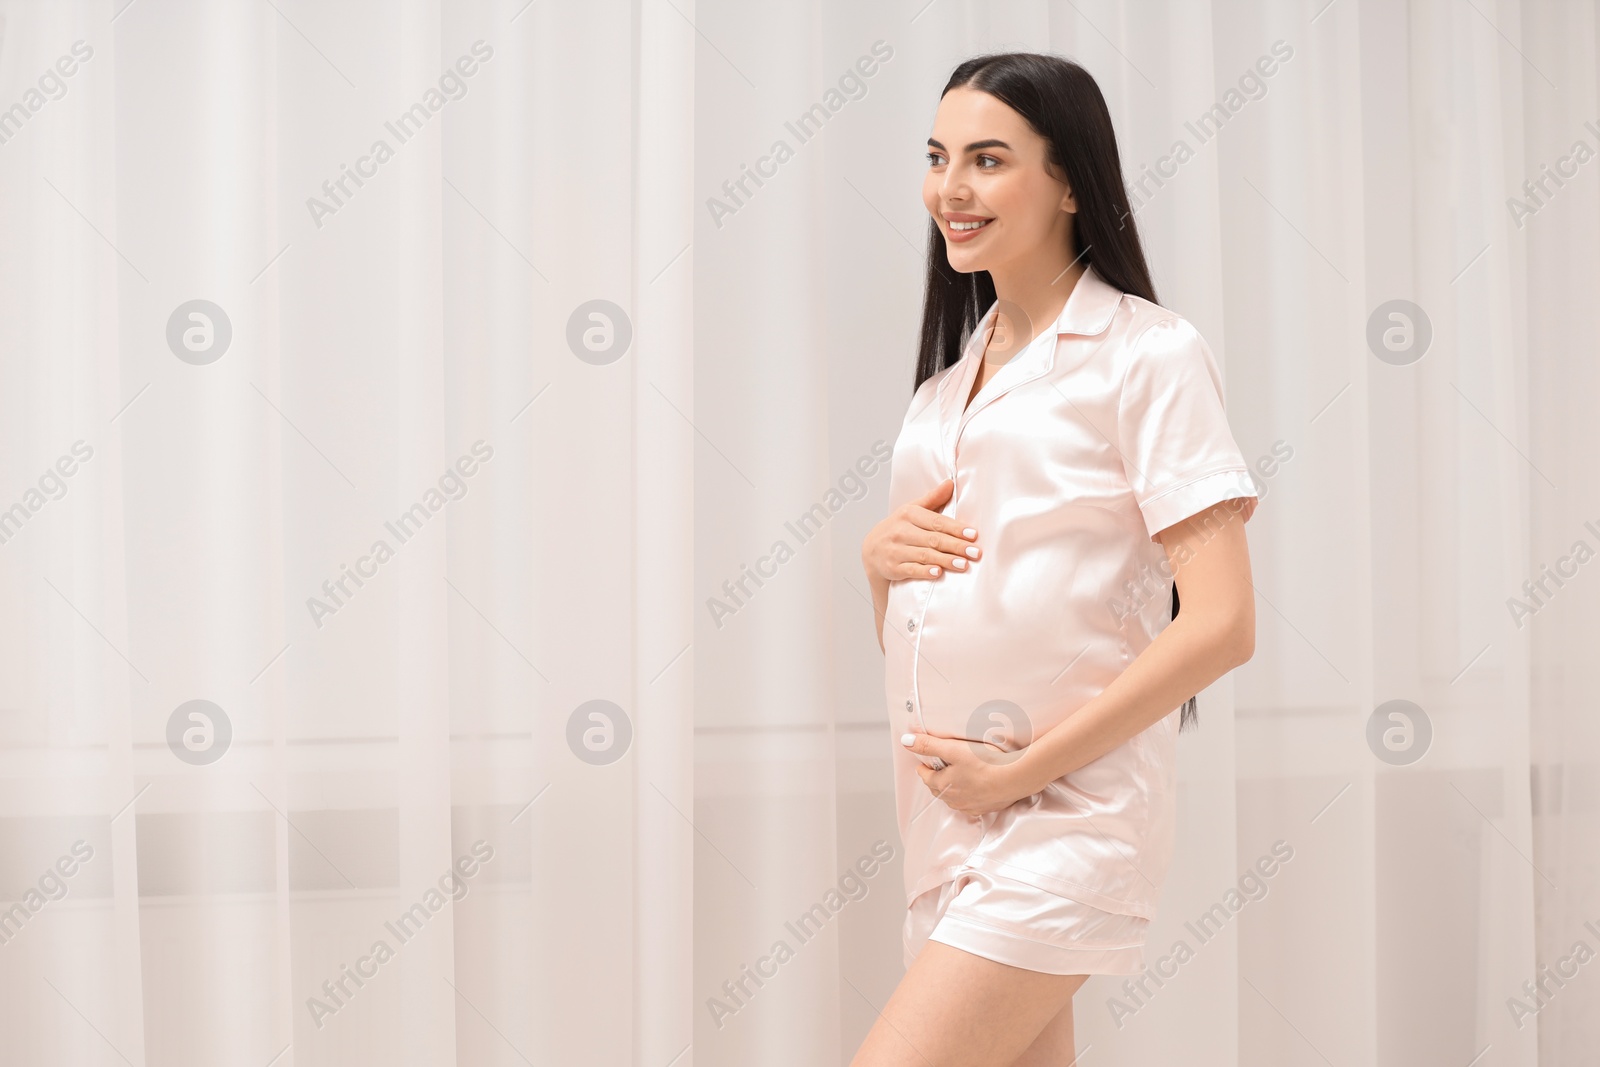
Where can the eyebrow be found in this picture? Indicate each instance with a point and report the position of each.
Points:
(993, 142)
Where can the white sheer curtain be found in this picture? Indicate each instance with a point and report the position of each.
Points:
(399, 346)
(1408, 493)
(612, 378)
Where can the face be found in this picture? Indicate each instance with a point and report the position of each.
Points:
(991, 187)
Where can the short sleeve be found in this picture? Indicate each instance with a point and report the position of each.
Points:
(1177, 448)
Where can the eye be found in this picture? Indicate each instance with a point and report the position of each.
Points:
(934, 159)
(991, 159)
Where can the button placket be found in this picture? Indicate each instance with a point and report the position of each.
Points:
(914, 705)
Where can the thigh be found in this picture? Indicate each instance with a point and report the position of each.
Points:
(955, 1009)
(1054, 1047)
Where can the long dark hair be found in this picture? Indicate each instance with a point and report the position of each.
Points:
(1062, 102)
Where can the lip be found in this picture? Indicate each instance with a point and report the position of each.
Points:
(963, 236)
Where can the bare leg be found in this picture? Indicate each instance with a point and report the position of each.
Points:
(1054, 1046)
(954, 1009)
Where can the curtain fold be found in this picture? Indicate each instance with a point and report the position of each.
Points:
(351, 656)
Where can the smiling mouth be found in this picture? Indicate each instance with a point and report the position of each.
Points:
(969, 227)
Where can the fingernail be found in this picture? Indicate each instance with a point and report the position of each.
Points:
(970, 532)
(934, 571)
(972, 550)
(907, 739)
(958, 563)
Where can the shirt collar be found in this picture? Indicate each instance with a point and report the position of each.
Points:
(1087, 312)
(1089, 306)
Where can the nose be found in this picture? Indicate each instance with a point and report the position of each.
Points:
(954, 186)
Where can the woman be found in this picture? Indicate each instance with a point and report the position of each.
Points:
(1064, 471)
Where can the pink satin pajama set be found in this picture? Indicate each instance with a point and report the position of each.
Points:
(1106, 429)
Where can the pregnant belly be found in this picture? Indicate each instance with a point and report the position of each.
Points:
(1023, 639)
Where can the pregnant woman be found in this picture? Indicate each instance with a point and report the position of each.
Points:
(1064, 472)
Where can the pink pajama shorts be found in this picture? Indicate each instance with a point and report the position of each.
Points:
(1014, 923)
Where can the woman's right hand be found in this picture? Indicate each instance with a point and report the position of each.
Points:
(915, 541)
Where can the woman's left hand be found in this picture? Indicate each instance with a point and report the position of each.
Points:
(977, 777)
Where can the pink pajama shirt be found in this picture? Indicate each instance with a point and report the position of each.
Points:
(1105, 430)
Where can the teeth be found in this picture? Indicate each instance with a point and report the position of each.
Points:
(968, 225)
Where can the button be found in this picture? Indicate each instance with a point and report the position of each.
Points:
(908, 705)
(911, 624)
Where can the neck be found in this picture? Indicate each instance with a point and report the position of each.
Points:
(1040, 289)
